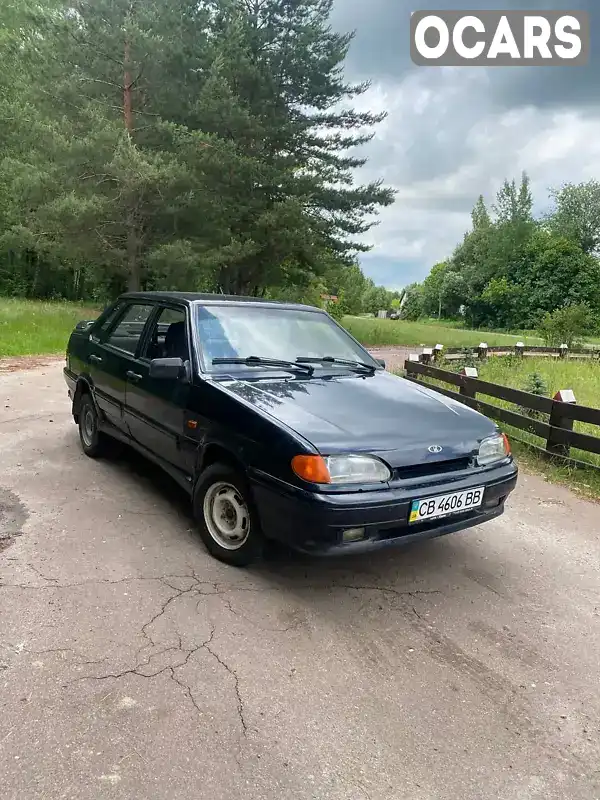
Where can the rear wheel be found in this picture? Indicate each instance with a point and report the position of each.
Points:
(226, 516)
(93, 442)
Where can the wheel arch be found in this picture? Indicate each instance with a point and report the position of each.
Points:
(82, 387)
(217, 453)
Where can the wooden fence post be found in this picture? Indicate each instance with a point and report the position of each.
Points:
(437, 351)
(465, 389)
(482, 351)
(564, 349)
(519, 349)
(426, 355)
(559, 420)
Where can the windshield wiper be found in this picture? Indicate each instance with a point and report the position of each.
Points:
(258, 361)
(359, 366)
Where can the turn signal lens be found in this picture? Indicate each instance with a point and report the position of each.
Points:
(311, 468)
(506, 444)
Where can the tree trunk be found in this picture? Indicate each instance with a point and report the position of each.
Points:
(127, 89)
(133, 265)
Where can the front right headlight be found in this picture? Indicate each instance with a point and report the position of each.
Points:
(492, 449)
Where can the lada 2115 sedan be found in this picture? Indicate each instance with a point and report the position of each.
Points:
(280, 425)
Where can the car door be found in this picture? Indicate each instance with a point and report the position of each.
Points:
(112, 355)
(155, 408)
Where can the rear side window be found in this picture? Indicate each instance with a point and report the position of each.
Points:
(130, 327)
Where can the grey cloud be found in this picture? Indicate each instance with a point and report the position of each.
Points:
(381, 51)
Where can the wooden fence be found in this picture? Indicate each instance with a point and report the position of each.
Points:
(520, 349)
(561, 411)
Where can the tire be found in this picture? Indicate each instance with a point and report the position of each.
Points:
(226, 516)
(93, 442)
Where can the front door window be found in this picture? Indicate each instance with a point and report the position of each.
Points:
(128, 332)
(168, 338)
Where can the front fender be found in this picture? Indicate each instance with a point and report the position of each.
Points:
(83, 386)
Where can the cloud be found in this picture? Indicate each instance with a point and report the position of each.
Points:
(454, 133)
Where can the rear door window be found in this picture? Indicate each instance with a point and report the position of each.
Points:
(129, 329)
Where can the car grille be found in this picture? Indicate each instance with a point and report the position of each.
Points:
(432, 469)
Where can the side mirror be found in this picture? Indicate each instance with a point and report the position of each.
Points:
(84, 324)
(381, 362)
(166, 368)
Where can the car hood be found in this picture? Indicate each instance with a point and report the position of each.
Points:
(380, 413)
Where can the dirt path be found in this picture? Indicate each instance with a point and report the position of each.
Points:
(15, 364)
(394, 356)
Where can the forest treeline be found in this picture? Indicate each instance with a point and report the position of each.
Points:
(513, 269)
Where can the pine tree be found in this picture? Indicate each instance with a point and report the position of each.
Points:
(181, 143)
(480, 216)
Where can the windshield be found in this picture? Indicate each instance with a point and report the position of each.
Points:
(238, 331)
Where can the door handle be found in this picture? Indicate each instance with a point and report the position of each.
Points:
(95, 359)
(133, 376)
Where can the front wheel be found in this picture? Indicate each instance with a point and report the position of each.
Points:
(226, 517)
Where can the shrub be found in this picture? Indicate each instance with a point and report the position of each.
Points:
(535, 384)
(568, 325)
(337, 310)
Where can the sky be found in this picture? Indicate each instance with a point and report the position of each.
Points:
(452, 134)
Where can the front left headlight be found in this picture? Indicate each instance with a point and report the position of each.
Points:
(357, 469)
(494, 448)
(341, 469)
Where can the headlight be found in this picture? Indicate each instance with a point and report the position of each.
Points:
(494, 448)
(357, 469)
(341, 469)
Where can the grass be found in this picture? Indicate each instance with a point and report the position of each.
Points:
(388, 332)
(583, 377)
(31, 327)
(582, 480)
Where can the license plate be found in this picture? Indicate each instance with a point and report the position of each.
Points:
(456, 503)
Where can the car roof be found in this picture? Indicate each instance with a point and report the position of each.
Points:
(214, 299)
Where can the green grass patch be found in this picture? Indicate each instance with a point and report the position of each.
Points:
(582, 480)
(388, 332)
(30, 327)
(583, 377)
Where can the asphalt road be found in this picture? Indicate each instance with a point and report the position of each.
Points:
(132, 665)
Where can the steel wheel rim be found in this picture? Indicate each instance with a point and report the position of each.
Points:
(88, 427)
(226, 515)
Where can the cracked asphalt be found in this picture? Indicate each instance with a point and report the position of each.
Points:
(133, 665)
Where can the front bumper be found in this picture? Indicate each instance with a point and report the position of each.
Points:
(314, 522)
